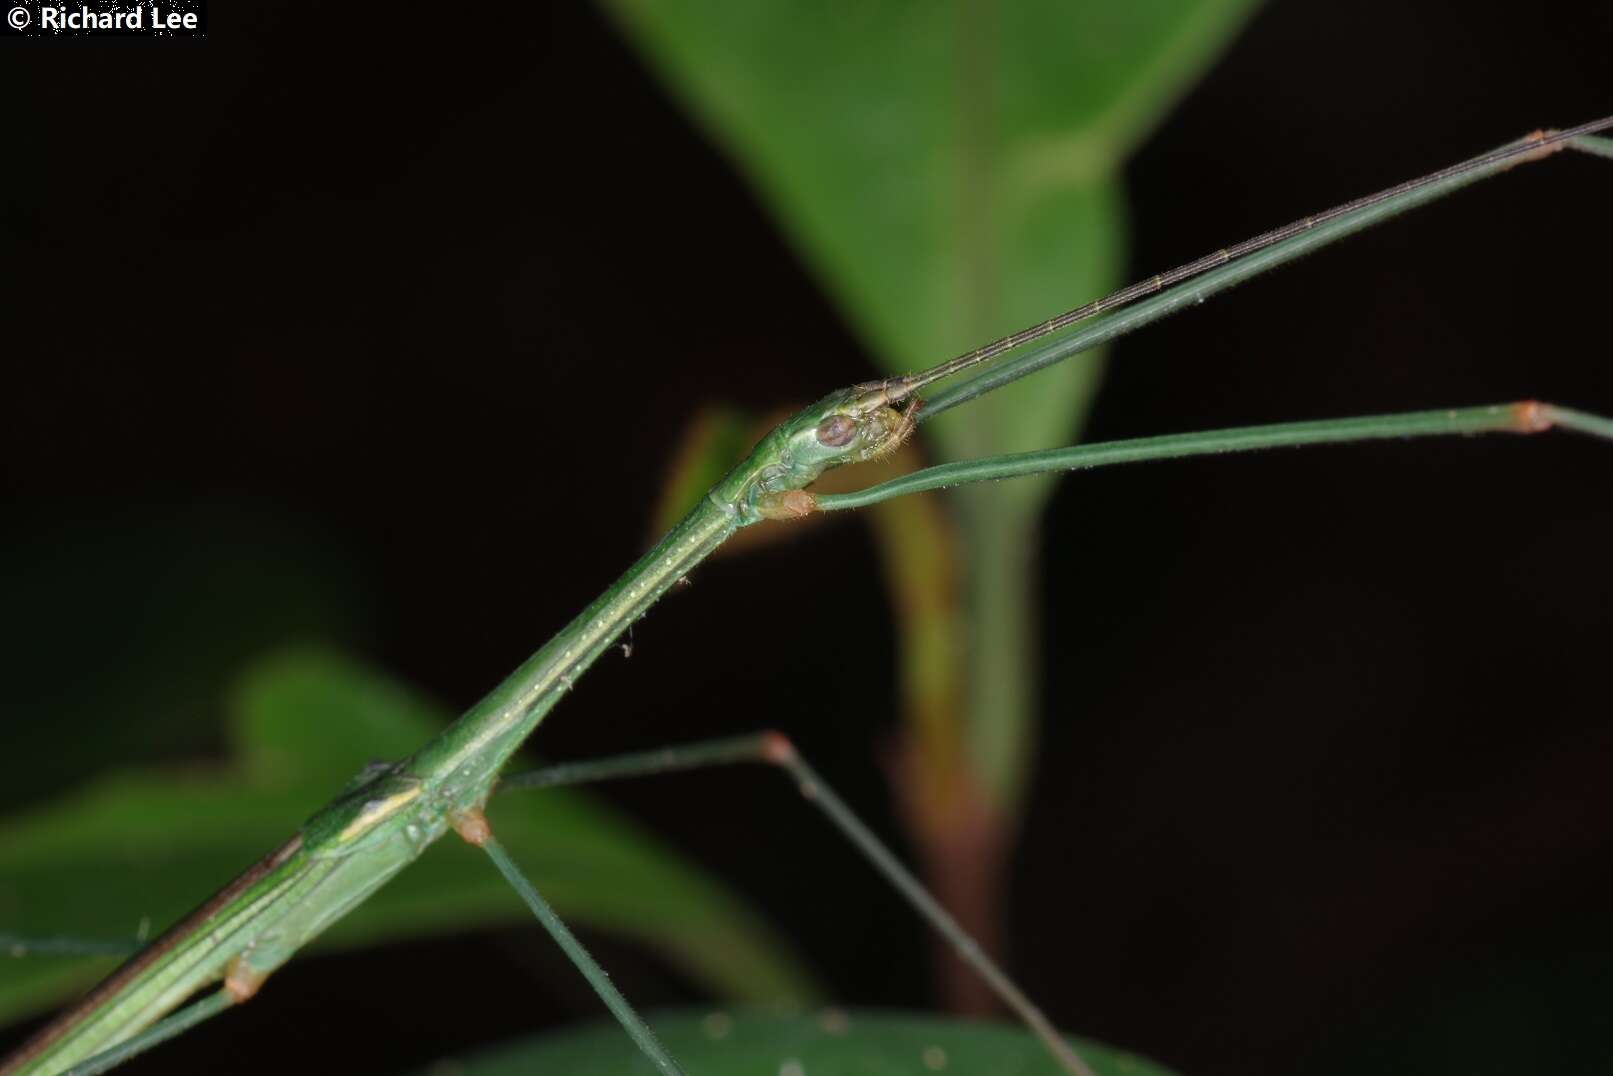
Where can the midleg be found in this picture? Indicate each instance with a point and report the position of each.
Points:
(171, 1026)
(474, 828)
(776, 749)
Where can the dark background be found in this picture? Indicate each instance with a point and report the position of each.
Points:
(378, 334)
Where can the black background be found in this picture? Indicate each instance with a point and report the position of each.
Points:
(405, 314)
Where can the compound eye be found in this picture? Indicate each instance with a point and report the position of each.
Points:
(837, 430)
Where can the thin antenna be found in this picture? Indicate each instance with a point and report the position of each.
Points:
(1539, 144)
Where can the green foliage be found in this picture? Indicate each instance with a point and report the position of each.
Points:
(716, 439)
(173, 600)
(302, 726)
(829, 1044)
(951, 171)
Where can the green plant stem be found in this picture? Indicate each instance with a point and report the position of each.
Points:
(1001, 631)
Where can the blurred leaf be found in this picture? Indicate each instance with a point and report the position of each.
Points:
(131, 619)
(833, 1043)
(144, 847)
(716, 439)
(951, 171)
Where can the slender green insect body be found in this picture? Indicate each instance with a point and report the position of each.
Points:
(361, 840)
(392, 813)
(456, 771)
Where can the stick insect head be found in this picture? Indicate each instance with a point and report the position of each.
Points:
(852, 425)
(859, 423)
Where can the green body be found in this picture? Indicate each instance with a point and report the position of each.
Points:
(391, 814)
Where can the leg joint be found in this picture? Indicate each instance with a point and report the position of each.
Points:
(777, 748)
(241, 980)
(472, 826)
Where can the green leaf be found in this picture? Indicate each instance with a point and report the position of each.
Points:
(136, 608)
(832, 1043)
(717, 438)
(136, 850)
(950, 170)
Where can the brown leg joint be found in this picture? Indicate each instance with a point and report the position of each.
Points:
(472, 826)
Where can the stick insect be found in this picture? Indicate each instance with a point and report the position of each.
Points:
(391, 813)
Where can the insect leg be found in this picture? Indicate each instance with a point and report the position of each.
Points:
(171, 1026)
(473, 827)
(18, 945)
(775, 749)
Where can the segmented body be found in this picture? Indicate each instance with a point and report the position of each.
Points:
(392, 814)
